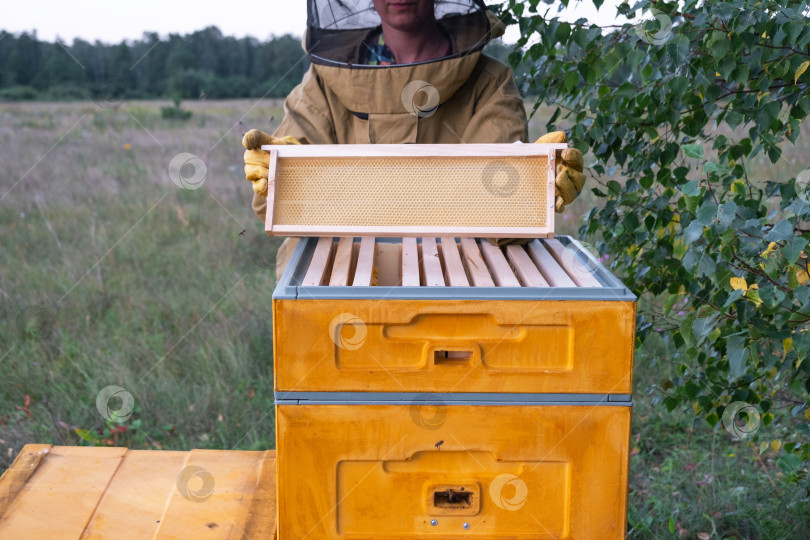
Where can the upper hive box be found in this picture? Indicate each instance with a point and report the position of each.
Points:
(457, 315)
(461, 190)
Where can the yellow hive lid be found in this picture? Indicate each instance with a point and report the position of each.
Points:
(103, 492)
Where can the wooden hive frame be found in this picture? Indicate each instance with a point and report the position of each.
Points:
(448, 263)
(413, 190)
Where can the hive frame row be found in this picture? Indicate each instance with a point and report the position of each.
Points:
(475, 270)
(450, 262)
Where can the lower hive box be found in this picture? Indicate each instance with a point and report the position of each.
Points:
(434, 467)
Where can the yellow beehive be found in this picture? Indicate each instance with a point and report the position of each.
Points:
(452, 389)
(515, 471)
(459, 346)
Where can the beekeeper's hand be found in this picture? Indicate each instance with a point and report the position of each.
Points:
(257, 161)
(569, 180)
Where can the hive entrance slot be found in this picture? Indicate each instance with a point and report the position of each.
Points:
(443, 357)
(452, 498)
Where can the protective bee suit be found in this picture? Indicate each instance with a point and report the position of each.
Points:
(463, 97)
(357, 92)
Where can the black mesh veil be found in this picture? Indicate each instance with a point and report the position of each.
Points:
(336, 28)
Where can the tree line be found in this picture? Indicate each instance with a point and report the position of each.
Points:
(203, 63)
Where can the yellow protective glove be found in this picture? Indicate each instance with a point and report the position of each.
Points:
(570, 178)
(568, 183)
(257, 161)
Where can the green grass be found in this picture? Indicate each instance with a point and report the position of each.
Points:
(134, 282)
(111, 275)
(689, 478)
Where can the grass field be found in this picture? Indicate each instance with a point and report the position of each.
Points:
(113, 276)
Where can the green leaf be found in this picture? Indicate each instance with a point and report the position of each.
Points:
(691, 188)
(694, 151)
(726, 66)
(562, 32)
(733, 297)
(686, 330)
(726, 215)
(570, 81)
(737, 355)
(711, 166)
(723, 10)
(706, 265)
(707, 213)
(774, 153)
(702, 327)
(794, 27)
(733, 119)
(781, 232)
(691, 389)
(693, 232)
(719, 47)
(741, 73)
(801, 343)
(771, 296)
(678, 85)
(738, 188)
(789, 463)
(793, 249)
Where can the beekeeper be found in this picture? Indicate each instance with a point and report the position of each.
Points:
(402, 71)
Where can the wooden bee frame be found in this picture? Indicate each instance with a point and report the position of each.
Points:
(413, 190)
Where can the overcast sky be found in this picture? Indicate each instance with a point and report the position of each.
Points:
(112, 22)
